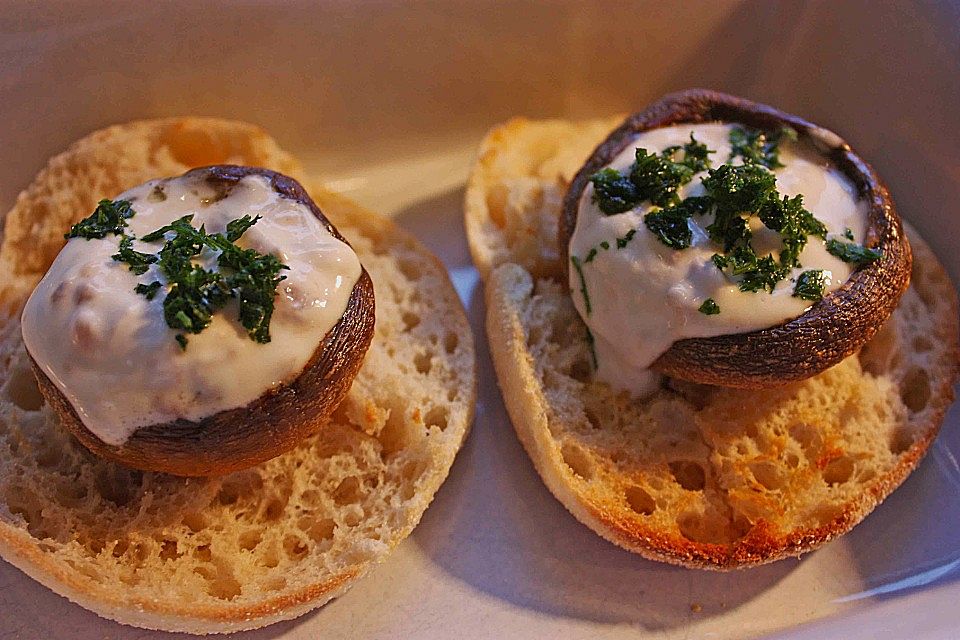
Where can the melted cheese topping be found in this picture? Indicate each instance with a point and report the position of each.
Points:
(109, 350)
(645, 296)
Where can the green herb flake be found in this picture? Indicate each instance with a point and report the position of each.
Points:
(763, 275)
(671, 227)
(196, 293)
(652, 177)
(613, 192)
(810, 285)
(149, 291)
(236, 228)
(110, 216)
(136, 261)
(852, 252)
(709, 307)
(591, 343)
(756, 147)
(623, 241)
(848, 233)
(657, 178)
(578, 266)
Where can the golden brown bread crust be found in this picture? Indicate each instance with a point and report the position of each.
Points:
(274, 423)
(831, 329)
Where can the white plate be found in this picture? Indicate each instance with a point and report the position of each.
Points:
(388, 102)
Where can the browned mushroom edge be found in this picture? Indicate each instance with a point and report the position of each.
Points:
(273, 423)
(833, 328)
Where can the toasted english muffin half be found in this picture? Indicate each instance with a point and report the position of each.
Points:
(275, 540)
(697, 476)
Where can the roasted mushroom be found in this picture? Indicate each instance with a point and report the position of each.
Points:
(278, 419)
(832, 328)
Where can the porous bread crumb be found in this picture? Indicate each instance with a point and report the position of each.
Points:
(266, 543)
(694, 475)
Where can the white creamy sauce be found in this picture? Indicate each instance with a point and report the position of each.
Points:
(109, 350)
(646, 295)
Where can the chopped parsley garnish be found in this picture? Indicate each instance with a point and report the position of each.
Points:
(625, 240)
(787, 217)
(810, 285)
(196, 293)
(759, 147)
(848, 233)
(653, 177)
(110, 216)
(613, 192)
(137, 262)
(670, 226)
(851, 252)
(149, 291)
(578, 266)
(709, 307)
(657, 178)
(735, 195)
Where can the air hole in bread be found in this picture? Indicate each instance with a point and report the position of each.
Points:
(410, 268)
(48, 455)
(195, 521)
(249, 539)
(396, 432)
(410, 320)
(450, 342)
(708, 528)
(792, 460)
(348, 491)
(294, 547)
(243, 483)
(578, 460)
(169, 551)
(767, 474)
(688, 474)
(423, 362)
(21, 387)
(202, 553)
(120, 548)
(117, 485)
(809, 438)
(826, 514)
(915, 389)
(838, 471)
(270, 558)
(224, 586)
(901, 440)
(274, 583)
(353, 516)
(23, 502)
(640, 501)
(318, 530)
(272, 511)
(438, 416)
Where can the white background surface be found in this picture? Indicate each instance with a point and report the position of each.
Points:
(388, 102)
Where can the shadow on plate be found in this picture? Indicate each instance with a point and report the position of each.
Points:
(497, 527)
